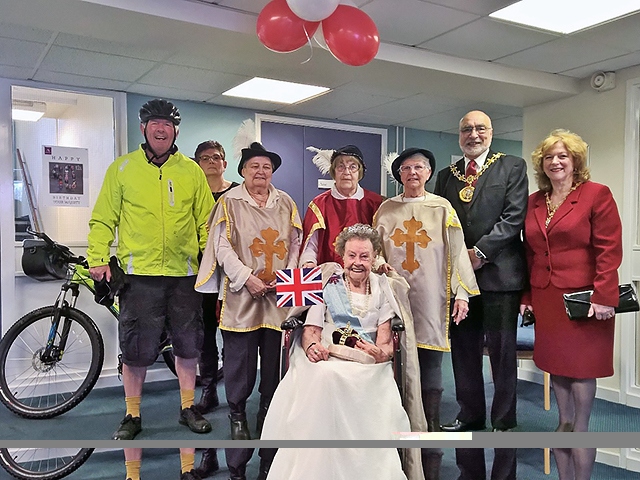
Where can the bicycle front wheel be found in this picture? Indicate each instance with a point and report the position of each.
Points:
(42, 463)
(34, 387)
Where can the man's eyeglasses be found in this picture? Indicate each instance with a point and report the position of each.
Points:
(353, 168)
(480, 129)
(418, 168)
(210, 158)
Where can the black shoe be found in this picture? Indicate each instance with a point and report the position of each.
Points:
(193, 419)
(262, 414)
(128, 429)
(209, 463)
(190, 475)
(502, 430)
(239, 427)
(208, 399)
(458, 426)
(237, 477)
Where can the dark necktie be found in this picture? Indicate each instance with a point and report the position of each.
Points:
(472, 169)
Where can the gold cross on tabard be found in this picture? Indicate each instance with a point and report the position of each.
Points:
(268, 248)
(412, 237)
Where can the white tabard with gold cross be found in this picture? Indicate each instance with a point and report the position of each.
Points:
(263, 240)
(423, 241)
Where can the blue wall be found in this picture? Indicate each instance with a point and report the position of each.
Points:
(203, 121)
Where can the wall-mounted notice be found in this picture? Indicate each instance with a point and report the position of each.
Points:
(65, 176)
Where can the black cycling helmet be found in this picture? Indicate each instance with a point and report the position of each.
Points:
(159, 108)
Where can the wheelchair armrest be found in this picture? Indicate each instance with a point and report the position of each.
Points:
(397, 325)
(292, 323)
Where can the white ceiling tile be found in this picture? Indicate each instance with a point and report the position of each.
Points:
(168, 92)
(99, 65)
(257, 105)
(561, 55)
(194, 79)
(622, 33)
(335, 104)
(411, 22)
(410, 108)
(7, 71)
(506, 124)
(484, 39)
(610, 65)
(441, 122)
(480, 7)
(76, 80)
(20, 53)
(105, 46)
(20, 32)
(254, 6)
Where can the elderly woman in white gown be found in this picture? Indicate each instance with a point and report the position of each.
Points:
(324, 397)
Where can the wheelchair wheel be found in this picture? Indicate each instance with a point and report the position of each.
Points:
(42, 463)
(34, 387)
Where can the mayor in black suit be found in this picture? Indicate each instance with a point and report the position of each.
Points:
(491, 204)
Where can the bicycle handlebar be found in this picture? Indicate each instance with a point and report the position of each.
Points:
(63, 250)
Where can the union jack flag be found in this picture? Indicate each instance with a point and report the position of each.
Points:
(299, 287)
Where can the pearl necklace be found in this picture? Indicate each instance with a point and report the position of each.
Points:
(367, 295)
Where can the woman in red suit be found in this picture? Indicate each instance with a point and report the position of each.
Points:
(573, 240)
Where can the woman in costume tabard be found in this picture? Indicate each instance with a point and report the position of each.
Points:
(347, 203)
(573, 242)
(254, 231)
(423, 241)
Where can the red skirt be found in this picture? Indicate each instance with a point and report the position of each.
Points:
(570, 348)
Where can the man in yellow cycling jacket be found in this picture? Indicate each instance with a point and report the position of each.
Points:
(158, 201)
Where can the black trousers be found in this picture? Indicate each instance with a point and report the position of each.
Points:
(237, 458)
(209, 353)
(492, 321)
(471, 464)
(241, 365)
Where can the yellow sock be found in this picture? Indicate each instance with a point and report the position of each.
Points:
(133, 406)
(187, 462)
(133, 469)
(186, 398)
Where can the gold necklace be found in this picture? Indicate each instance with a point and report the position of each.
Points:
(551, 208)
(466, 194)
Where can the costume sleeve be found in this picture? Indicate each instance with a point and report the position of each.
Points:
(105, 218)
(463, 278)
(606, 235)
(315, 315)
(385, 312)
(310, 251)
(295, 238)
(237, 272)
(510, 224)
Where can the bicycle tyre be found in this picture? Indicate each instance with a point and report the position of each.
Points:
(31, 388)
(23, 464)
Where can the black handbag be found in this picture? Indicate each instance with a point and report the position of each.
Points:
(577, 304)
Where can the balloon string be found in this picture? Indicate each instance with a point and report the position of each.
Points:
(310, 45)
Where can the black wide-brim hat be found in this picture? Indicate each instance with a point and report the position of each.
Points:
(409, 152)
(349, 151)
(257, 150)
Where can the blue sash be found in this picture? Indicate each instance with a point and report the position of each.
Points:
(337, 301)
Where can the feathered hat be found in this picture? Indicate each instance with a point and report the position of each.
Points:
(323, 159)
(245, 147)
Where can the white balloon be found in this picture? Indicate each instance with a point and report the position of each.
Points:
(313, 10)
(319, 38)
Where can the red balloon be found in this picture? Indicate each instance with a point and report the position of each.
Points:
(281, 30)
(351, 35)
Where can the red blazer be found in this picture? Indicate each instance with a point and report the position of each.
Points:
(581, 247)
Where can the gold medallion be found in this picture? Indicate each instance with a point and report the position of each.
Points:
(466, 194)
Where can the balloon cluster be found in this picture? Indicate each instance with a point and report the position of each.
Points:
(350, 34)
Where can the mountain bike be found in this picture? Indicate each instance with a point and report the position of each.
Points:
(43, 463)
(51, 358)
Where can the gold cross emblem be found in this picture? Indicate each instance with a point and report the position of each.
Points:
(412, 237)
(268, 248)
